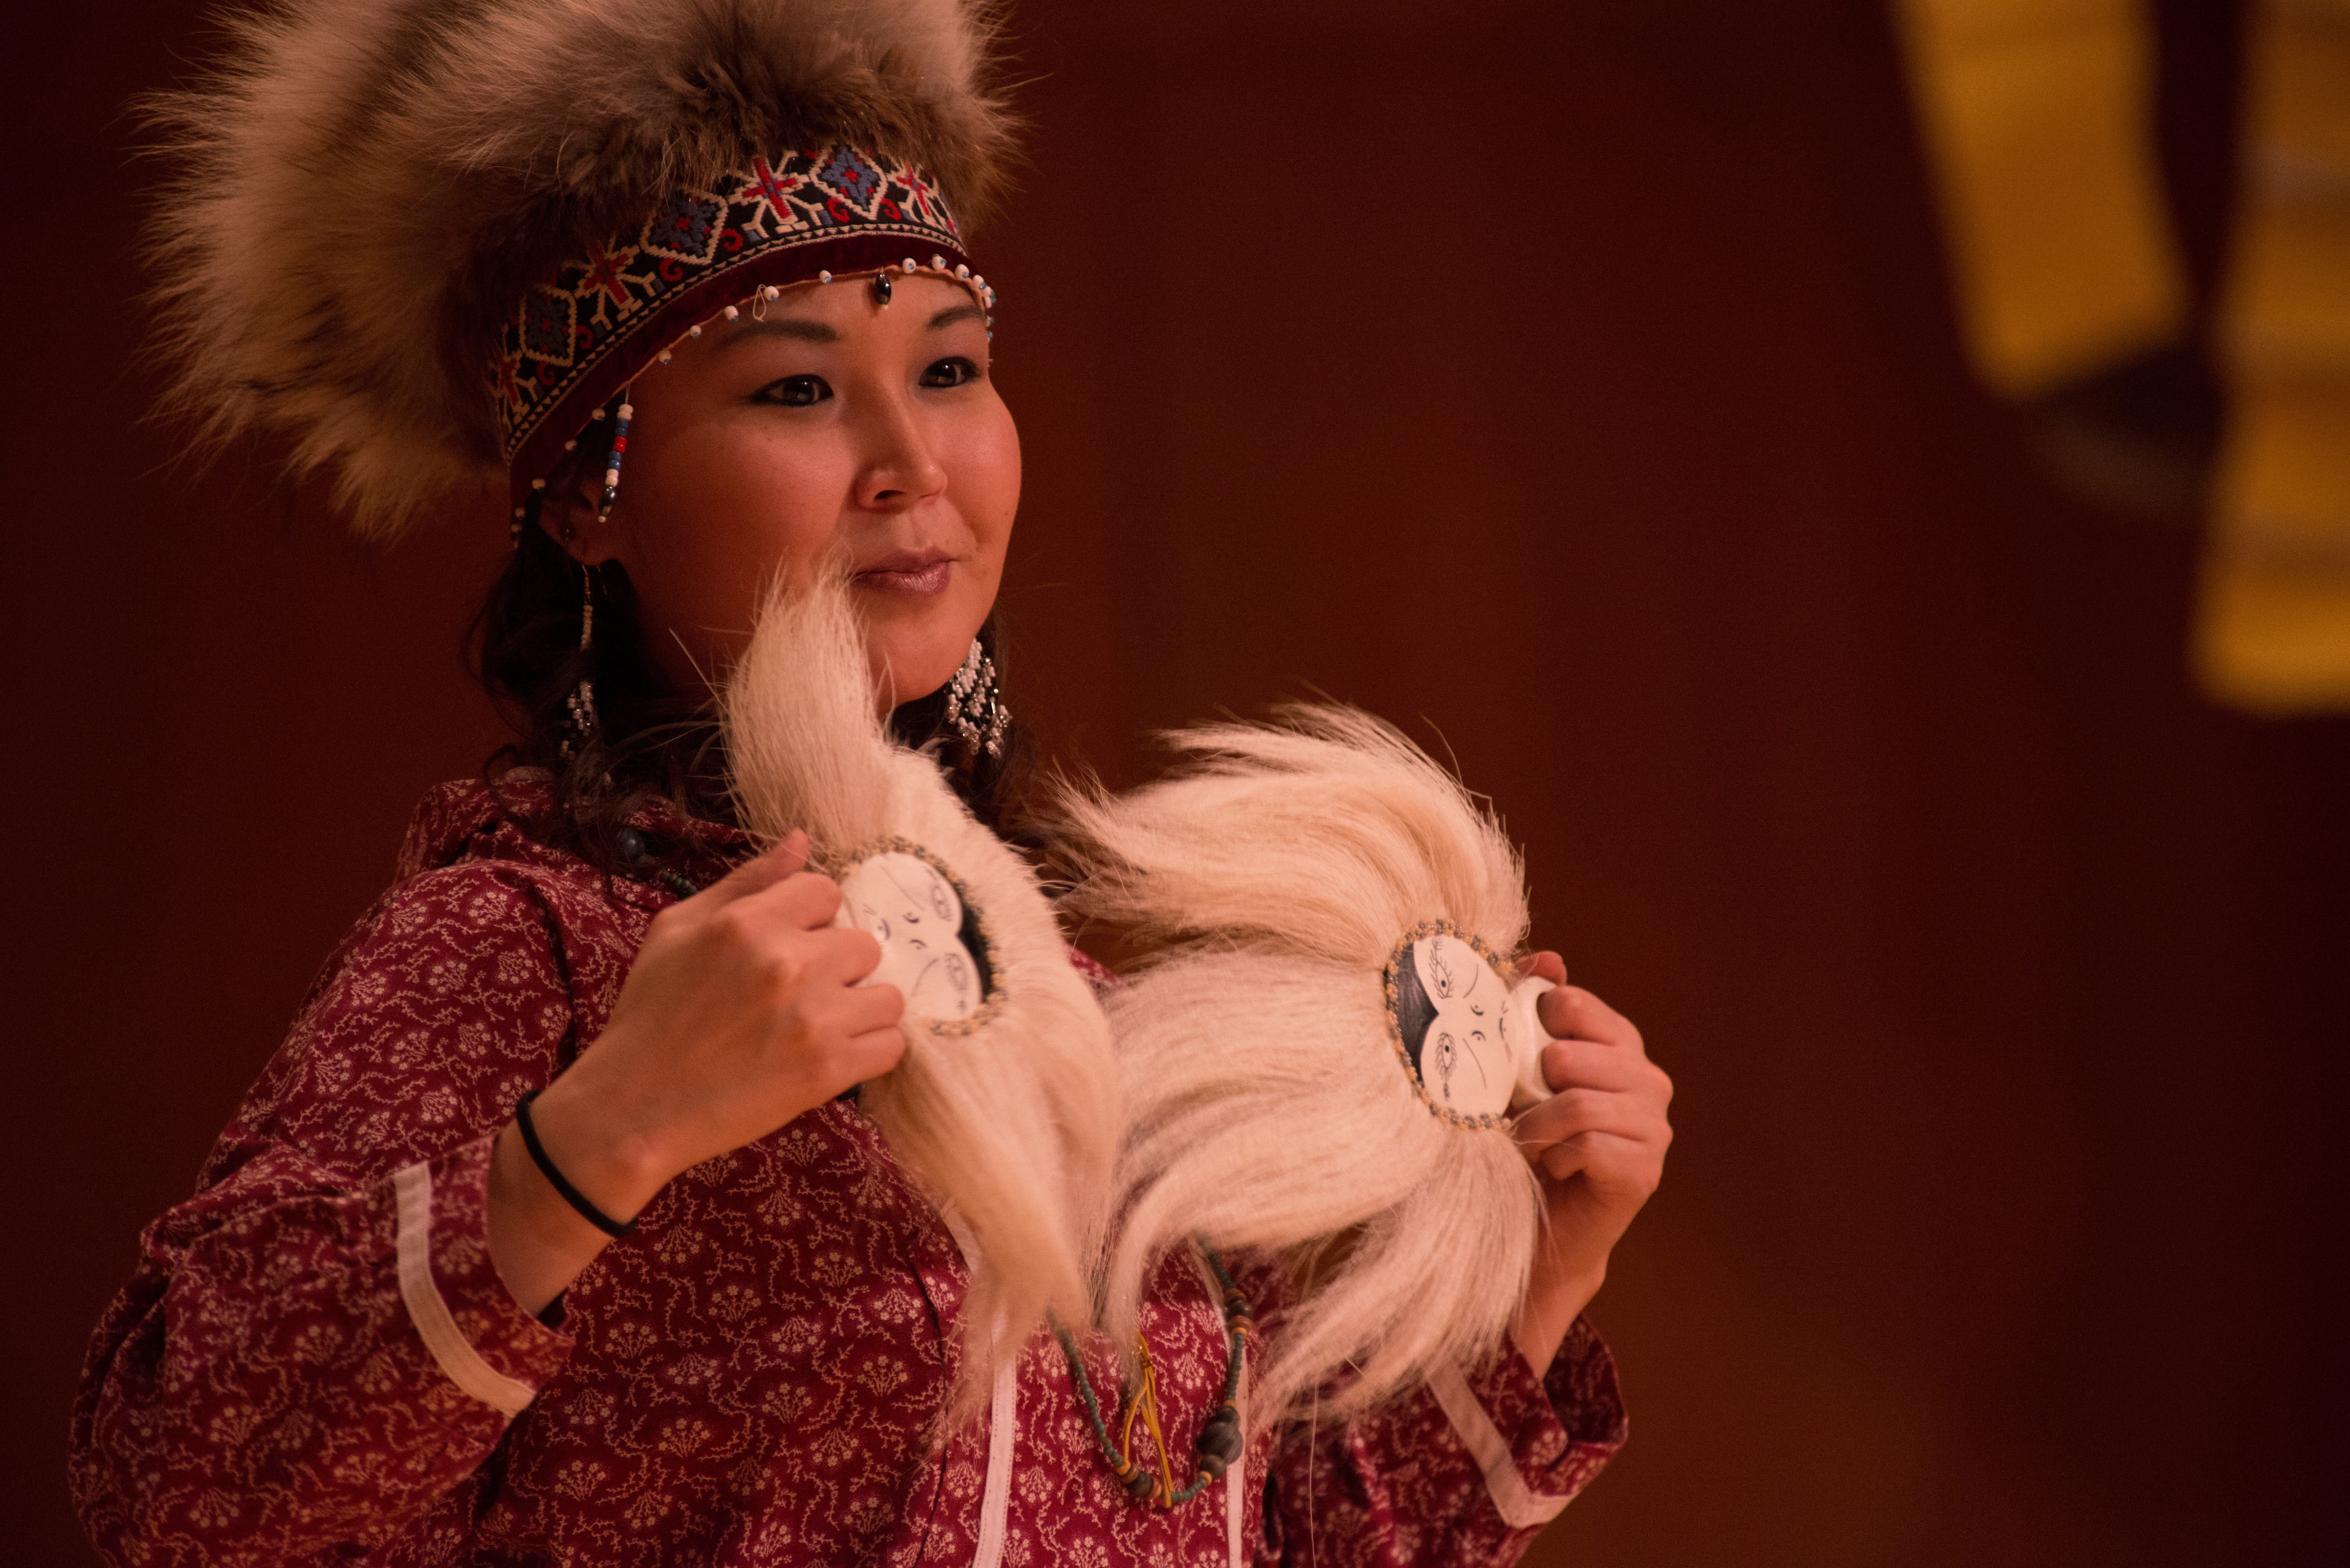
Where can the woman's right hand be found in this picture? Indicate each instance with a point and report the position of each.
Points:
(741, 1012)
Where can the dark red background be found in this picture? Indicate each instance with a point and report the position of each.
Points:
(1572, 382)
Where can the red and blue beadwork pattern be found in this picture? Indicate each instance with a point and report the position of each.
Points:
(582, 335)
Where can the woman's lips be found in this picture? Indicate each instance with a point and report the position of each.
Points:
(916, 576)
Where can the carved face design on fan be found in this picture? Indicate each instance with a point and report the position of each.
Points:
(929, 941)
(1452, 1009)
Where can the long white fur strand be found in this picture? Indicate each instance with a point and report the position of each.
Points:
(1266, 1107)
(1014, 1124)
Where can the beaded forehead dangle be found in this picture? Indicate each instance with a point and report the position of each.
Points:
(807, 217)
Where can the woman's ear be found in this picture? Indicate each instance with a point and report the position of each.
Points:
(569, 513)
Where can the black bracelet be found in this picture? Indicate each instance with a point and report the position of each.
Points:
(571, 1195)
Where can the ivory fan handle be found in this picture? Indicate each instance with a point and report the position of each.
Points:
(1525, 1023)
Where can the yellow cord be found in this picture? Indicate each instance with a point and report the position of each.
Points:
(1145, 1403)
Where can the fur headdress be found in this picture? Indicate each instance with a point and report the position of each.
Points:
(1320, 1051)
(367, 192)
(1005, 1102)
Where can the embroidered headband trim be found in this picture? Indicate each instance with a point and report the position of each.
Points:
(581, 337)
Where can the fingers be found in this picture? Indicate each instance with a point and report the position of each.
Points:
(840, 955)
(1563, 1116)
(855, 1036)
(870, 1009)
(802, 901)
(1607, 1159)
(1637, 1113)
(1547, 966)
(1571, 1012)
(757, 876)
(836, 1012)
(1564, 1159)
(1589, 1065)
(880, 1049)
(784, 936)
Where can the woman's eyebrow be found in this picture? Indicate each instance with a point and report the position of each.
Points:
(797, 327)
(966, 311)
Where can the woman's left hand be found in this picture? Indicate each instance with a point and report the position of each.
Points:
(1599, 1148)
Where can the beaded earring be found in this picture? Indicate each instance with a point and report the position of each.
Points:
(975, 707)
(580, 729)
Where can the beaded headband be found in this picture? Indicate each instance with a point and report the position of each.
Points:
(583, 335)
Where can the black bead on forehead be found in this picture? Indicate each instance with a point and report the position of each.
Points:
(881, 287)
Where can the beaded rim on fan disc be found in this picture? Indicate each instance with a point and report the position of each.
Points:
(1401, 954)
(975, 924)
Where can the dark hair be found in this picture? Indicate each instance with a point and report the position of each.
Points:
(650, 742)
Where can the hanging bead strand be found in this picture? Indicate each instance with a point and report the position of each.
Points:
(581, 702)
(1220, 1444)
(612, 462)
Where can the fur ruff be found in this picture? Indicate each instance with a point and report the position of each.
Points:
(363, 191)
(1269, 880)
(1014, 1124)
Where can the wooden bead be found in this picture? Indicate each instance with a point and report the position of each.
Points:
(1220, 1438)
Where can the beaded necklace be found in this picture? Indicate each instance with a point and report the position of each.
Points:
(1220, 1444)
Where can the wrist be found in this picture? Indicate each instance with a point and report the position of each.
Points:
(1554, 1299)
(617, 1168)
(538, 1243)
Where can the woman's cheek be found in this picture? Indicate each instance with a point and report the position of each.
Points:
(995, 465)
(779, 516)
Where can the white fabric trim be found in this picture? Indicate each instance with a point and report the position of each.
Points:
(1236, 1478)
(1520, 1506)
(429, 1312)
(1003, 1417)
(995, 1499)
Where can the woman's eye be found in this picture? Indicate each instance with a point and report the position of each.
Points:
(795, 392)
(953, 372)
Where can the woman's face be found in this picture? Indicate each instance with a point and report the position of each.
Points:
(835, 425)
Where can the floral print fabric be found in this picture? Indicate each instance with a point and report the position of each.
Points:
(756, 1374)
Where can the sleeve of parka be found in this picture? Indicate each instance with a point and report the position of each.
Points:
(1465, 1470)
(317, 1345)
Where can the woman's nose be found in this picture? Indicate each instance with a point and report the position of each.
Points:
(900, 468)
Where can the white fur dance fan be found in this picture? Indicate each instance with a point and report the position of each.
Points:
(1324, 1041)
(1005, 1102)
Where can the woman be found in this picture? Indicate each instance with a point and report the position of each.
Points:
(548, 1235)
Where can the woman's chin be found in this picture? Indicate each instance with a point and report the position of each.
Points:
(915, 643)
(907, 671)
